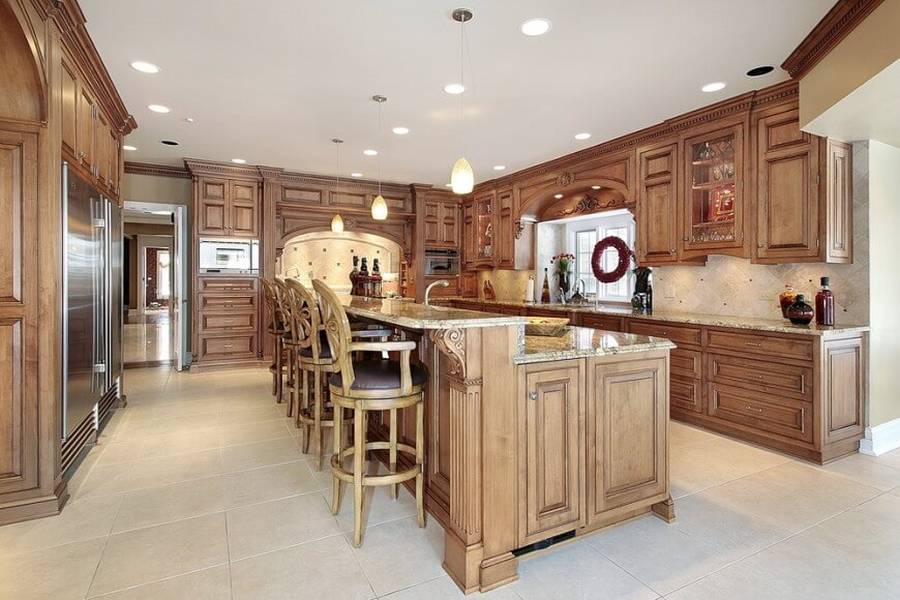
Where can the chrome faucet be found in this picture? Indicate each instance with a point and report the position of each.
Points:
(440, 282)
(578, 297)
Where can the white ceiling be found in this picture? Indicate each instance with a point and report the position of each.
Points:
(272, 81)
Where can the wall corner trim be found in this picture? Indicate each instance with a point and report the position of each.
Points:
(881, 439)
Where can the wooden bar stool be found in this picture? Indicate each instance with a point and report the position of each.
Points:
(275, 327)
(367, 386)
(288, 344)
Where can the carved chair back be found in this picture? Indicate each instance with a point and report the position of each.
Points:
(337, 329)
(274, 319)
(306, 323)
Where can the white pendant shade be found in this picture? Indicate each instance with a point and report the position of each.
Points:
(337, 224)
(462, 179)
(379, 208)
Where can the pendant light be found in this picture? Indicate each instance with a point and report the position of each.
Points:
(379, 206)
(337, 222)
(462, 178)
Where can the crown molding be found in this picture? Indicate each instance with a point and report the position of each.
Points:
(139, 168)
(837, 24)
(198, 166)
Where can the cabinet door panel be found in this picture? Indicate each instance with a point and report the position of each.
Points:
(787, 189)
(627, 417)
(212, 212)
(839, 203)
(432, 223)
(85, 141)
(761, 413)
(505, 236)
(244, 210)
(843, 375)
(69, 114)
(550, 451)
(450, 224)
(658, 205)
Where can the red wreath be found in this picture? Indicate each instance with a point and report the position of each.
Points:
(597, 259)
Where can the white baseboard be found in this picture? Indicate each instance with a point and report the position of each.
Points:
(881, 438)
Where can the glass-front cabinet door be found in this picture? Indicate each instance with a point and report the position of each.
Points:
(713, 199)
(484, 227)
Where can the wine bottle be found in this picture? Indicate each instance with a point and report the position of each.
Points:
(825, 304)
(376, 279)
(354, 274)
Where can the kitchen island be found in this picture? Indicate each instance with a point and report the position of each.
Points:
(531, 439)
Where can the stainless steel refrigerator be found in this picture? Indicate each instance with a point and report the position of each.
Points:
(92, 309)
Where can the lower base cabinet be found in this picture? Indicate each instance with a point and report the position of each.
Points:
(592, 444)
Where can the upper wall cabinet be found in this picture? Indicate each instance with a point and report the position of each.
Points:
(657, 206)
(838, 203)
(227, 208)
(441, 223)
(712, 208)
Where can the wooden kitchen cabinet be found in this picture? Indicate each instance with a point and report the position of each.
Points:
(712, 208)
(469, 234)
(551, 442)
(441, 223)
(227, 208)
(838, 202)
(505, 230)
(627, 420)
(657, 205)
(484, 246)
(468, 285)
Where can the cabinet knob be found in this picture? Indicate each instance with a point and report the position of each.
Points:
(533, 396)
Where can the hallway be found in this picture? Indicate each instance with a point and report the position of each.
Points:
(147, 339)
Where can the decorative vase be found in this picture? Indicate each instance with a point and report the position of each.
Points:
(786, 298)
(564, 281)
(800, 313)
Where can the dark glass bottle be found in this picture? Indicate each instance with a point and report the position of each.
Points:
(545, 290)
(648, 303)
(353, 276)
(825, 304)
(362, 280)
(375, 279)
(800, 313)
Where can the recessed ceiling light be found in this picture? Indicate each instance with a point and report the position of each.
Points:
(356, 174)
(499, 167)
(239, 161)
(533, 27)
(169, 142)
(189, 119)
(595, 187)
(454, 88)
(715, 86)
(158, 108)
(557, 196)
(144, 67)
(400, 130)
(129, 148)
(761, 70)
(582, 136)
(370, 152)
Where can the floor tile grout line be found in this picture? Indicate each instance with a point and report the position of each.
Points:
(167, 578)
(781, 541)
(87, 593)
(228, 555)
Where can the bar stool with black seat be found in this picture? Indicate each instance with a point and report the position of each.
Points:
(275, 327)
(368, 386)
(289, 343)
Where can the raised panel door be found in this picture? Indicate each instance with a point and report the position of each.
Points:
(658, 205)
(550, 450)
(432, 223)
(244, 217)
(838, 203)
(787, 190)
(505, 234)
(85, 139)
(212, 211)
(712, 207)
(101, 147)
(69, 105)
(469, 234)
(627, 417)
(450, 224)
(843, 388)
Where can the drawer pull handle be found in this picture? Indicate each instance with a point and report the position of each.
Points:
(533, 396)
(754, 344)
(229, 345)
(754, 409)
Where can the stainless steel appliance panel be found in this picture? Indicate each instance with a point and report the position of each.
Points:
(116, 300)
(229, 256)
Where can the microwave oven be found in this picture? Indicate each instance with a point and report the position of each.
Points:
(441, 262)
(229, 256)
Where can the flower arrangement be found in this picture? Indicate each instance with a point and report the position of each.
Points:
(564, 262)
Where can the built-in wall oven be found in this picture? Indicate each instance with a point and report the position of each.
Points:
(233, 256)
(441, 262)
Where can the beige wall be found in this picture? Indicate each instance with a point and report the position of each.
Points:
(868, 49)
(884, 240)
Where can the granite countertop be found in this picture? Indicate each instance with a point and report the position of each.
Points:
(580, 342)
(736, 322)
(412, 315)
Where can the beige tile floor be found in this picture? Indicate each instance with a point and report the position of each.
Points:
(147, 338)
(198, 490)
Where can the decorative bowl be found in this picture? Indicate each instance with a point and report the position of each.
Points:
(546, 326)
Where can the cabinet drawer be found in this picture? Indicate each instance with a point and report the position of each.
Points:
(228, 321)
(685, 394)
(763, 412)
(234, 302)
(505, 309)
(545, 312)
(765, 376)
(604, 322)
(676, 333)
(228, 347)
(787, 347)
(227, 284)
(686, 363)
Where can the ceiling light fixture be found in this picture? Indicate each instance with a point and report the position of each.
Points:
(499, 167)
(535, 27)
(144, 67)
(715, 86)
(379, 206)
(583, 136)
(337, 222)
(370, 152)
(129, 148)
(462, 176)
(158, 108)
(759, 71)
(189, 119)
(239, 161)
(454, 88)
(355, 174)
(400, 130)
(169, 142)
(595, 187)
